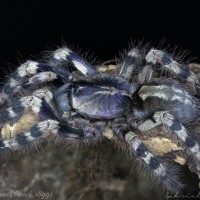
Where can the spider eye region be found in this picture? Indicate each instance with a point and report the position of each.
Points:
(100, 102)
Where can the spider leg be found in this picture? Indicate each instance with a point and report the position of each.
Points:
(52, 124)
(145, 74)
(29, 74)
(130, 63)
(62, 98)
(159, 169)
(40, 78)
(37, 103)
(155, 56)
(164, 117)
(38, 132)
(67, 55)
(31, 68)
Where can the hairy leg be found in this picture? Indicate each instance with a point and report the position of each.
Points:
(130, 63)
(39, 103)
(165, 118)
(66, 55)
(33, 73)
(39, 132)
(166, 175)
(155, 56)
(28, 75)
(49, 123)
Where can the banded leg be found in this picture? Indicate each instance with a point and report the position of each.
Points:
(32, 68)
(40, 103)
(67, 55)
(155, 56)
(145, 74)
(38, 132)
(51, 125)
(130, 64)
(164, 117)
(29, 74)
(159, 169)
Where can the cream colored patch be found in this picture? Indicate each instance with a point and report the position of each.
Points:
(107, 68)
(24, 124)
(108, 133)
(160, 146)
(180, 160)
(153, 91)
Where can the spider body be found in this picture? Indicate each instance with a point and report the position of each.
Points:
(99, 100)
(87, 105)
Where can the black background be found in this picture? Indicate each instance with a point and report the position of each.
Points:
(27, 29)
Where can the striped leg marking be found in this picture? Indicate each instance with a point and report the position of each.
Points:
(41, 130)
(130, 63)
(163, 117)
(145, 74)
(152, 162)
(42, 77)
(66, 55)
(31, 73)
(31, 68)
(155, 56)
(37, 103)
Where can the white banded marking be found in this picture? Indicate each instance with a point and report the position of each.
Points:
(131, 138)
(192, 78)
(11, 144)
(28, 68)
(161, 171)
(13, 83)
(12, 114)
(196, 150)
(134, 53)
(82, 68)
(61, 54)
(182, 133)
(51, 126)
(148, 125)
(34, 102)
(156, 55)
(42, 77)
(147, 157)
(29, 137)
(165, 92)
(44, 93)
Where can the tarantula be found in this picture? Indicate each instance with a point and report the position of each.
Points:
(65, 97)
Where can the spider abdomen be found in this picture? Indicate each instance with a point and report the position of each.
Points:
(100, 102)
(173, 98)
